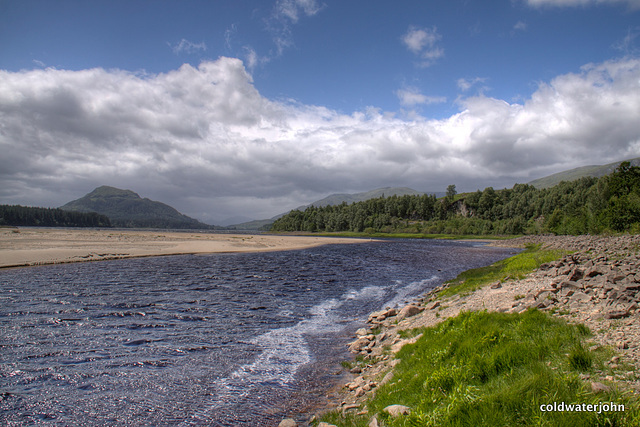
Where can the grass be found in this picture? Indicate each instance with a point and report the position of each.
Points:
(495, 369)
(515, 267)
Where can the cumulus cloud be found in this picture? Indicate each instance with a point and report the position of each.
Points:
(204, 140)
(567, 3)
(423, 42)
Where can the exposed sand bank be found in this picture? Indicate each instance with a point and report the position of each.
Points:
(38, 246)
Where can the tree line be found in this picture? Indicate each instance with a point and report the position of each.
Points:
(587, 205)
(16, 215)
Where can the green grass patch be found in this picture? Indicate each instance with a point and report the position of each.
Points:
(515, 267)
(495, 369)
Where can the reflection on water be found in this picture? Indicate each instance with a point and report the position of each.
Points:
(197, 340)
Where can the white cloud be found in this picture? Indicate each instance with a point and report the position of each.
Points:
(285, 14)
(466, 84)
(204, 140)
(423, 43)
(411, 96)
(185, 46)
(568, 3)
(520, 26)
(292, 9)
(628, 43)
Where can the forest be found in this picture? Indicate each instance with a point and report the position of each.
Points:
(588, 205)
(16, 215)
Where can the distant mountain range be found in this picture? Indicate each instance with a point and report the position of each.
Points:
(336, 199)
(127, 209)
(577, 173)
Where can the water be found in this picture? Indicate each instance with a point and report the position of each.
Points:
(222, 339)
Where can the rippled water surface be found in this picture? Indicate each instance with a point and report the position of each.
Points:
(222, 340)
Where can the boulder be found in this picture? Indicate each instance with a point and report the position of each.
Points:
(358, 345)
(397, 410)
(597, 387)
(408, 311)
(288, 422)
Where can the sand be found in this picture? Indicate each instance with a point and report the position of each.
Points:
(38, 246)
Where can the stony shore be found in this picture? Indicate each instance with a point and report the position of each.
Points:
(597, 284)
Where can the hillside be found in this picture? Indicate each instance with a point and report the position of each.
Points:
(127, 209)
(587, 205)
(333, 200)
(595, 171)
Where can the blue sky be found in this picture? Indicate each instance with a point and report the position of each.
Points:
(225, 108)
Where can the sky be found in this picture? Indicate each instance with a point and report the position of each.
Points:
(244, 109)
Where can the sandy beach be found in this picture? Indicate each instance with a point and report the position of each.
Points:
(38, 246)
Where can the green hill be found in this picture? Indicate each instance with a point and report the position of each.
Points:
(595, 171)
(127, 209)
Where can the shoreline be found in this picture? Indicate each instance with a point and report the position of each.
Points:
(33, 246)
(575, 288)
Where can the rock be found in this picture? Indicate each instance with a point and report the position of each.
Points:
(433, 305)
(373, 422)
(358, 345)
(580, 298)
(397, 410)
(616, 314)
(408, 311)
(597, 387)
(576, 274)
(288, 422)
(379, 316)
(356, 370)
(622, 345)
(362, 332)
(496, 285)
(388, 377)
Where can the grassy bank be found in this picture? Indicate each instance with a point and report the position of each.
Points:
(497, 369)
(487, 369)
(515, 267)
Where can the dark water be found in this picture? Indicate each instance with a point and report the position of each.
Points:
(222, 340)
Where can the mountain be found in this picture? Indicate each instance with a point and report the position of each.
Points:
(127, 209)
(335, 199)
(577, 173)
